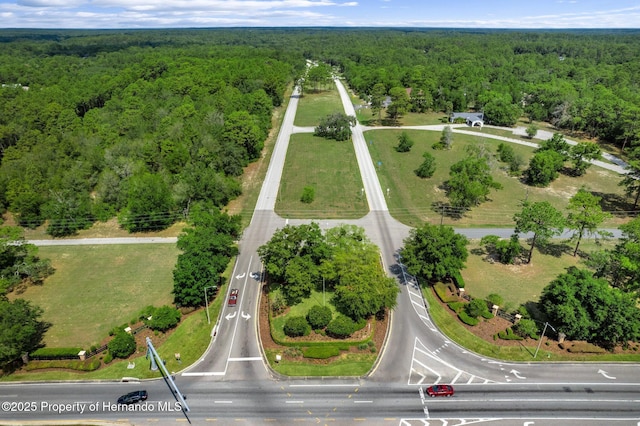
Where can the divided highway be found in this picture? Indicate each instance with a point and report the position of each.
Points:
(232, 385)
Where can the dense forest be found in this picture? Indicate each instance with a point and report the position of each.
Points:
(134, 125)
(141, 124)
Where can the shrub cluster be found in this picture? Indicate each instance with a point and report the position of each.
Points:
(319, 316)
(163, 318)
(341, 327)
(526, 328)
(122, 345)
(296, 326)
(508, 334)
(465, 318)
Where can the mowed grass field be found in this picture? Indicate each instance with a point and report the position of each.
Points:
(314, 106)
(331, 168)
(412, 200)
(96, 288)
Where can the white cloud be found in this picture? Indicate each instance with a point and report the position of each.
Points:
(51, 3)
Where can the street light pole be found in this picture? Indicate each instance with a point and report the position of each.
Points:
(206, 302)
(546, 324)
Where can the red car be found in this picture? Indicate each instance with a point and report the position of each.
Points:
(440, 390)
(233, 297)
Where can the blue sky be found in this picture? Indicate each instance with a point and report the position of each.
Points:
(340, 13)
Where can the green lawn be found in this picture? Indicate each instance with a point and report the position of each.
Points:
(516, 284)
(314, 106)
(412, 199)
(330, 167)
(96, 288)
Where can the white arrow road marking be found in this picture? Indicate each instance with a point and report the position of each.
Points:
(247, 316)
(517, 374)
(528, 423)
(239, 277)
(230, 316)
(604, 374)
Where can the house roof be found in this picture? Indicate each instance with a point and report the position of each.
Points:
(473, 116)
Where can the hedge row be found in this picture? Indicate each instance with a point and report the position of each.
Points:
(321, 352)
(55, 352)
(87, 365)
(465, 318)
(456, 306)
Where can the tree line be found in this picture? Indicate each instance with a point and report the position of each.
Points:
(139, 130)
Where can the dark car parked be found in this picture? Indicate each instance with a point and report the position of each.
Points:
(133, 397)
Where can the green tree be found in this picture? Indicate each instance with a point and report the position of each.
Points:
(68, 212)
(399, 103)
(631, 180)
(501, 111)
(446, 139)
(318, 74)
(433, 253)
(581, 155)
(207, 245)
(505, 152)
(361, 287)
(557, 144)
(544, 167)
(470, 182)
(19, 261)
(428, 166)
(150, 206)
(242, 130)
(624, 262)
(532, 131)
(587, 308)
(301, 276)
(292, 242)
(540, 218)
(335, 126)
(585, 215)
(505, 250)
(21, 329)
(404, 143)
(378, 95)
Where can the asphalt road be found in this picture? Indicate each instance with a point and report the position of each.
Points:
(232, 385)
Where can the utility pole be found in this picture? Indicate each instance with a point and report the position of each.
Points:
(154, 356)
